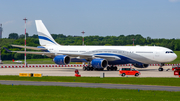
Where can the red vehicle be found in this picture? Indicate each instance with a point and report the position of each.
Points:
(129, 71)
(175, 67)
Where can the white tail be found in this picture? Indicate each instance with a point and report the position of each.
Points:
(45, 37)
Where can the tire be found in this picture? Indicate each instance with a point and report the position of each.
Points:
(136, 74)
(84, 68)
(112, 68)
(91, 68)
(160, 69)
(108, 68)
(115, 68)
(123, 74)
(88, 68)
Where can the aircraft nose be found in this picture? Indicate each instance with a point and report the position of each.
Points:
(171, 57)
(175, 56)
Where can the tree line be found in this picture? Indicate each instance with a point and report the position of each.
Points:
(120, 40)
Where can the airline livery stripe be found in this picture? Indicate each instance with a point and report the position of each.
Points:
(45, 38)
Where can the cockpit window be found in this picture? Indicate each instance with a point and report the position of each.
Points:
(169, 52)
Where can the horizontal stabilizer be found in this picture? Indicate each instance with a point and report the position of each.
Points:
(6, 49)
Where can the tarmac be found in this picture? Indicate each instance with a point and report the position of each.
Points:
(151, 71)
(92, 85)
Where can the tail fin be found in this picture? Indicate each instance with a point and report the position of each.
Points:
(45, 37)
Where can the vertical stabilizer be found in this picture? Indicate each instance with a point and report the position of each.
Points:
(45, 37)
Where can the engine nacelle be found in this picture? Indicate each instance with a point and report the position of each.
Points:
(139, 65)
(62, 59)
(99, 63)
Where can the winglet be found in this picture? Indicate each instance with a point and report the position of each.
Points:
(7, 49)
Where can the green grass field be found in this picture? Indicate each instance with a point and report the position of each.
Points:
(59, 93)
(49, 61)
(112, 80)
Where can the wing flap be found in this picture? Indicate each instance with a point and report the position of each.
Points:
(107, 57)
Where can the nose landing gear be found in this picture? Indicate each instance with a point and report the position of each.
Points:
(160, 68)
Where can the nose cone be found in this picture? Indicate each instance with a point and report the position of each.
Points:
(169, 58)
(172, 57)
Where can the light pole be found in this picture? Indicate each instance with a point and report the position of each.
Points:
(83, 37)
(0, 38)
(133, 41)
(25, 44)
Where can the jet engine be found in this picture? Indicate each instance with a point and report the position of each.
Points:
(99, 63)
(139, 65)
(62, 59)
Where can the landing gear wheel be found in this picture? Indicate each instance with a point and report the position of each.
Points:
(108, 68)
(84, 68)
(136, 74)
(115, 68)
(160, 69)
(88, 68)
(123, 74)
(112, 68)
(91, 68)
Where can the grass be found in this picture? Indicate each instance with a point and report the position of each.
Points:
(112, 80)
(59, 93)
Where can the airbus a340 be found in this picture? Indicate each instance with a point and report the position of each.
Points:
(99, 57)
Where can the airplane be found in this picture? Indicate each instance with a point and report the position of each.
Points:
(18, 61)
(98, 57)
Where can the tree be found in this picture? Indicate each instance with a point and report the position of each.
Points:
(22, 35)
(13, 36)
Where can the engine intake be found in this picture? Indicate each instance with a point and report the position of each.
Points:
(139, 65)
(62, 59)
(99, 63)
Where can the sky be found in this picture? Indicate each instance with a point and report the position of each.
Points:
(150, 18)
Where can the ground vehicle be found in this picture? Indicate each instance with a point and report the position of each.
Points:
(175, 67)
(128, 71)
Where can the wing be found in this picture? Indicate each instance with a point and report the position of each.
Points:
(29, 47)
(31, 52)
(89, 56)
(72, 55)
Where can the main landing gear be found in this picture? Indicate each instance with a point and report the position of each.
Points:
(160, 68)
(111, 68)
(90, 68)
